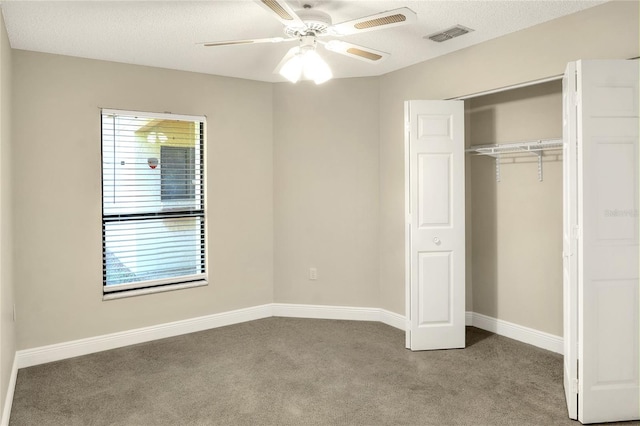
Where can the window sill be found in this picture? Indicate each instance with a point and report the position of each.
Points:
(152, 290)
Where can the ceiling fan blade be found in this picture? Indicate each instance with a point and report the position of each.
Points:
(283, 12)
(248, 41)
(355, 51)
(389, 19)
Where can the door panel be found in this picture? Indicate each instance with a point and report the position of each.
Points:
(608, 214)
(618, 361)
(434, 275)
(434, 200)
(434, 193)
(569, 240)
(618, 221)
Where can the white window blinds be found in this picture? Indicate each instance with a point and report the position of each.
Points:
(153, 227)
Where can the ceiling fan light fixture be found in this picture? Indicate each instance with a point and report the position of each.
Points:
(306, 62)
(315, 68)
(292, 69)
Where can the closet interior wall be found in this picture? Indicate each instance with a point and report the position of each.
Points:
(516, 223)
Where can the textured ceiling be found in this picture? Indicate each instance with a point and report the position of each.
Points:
(165, 33)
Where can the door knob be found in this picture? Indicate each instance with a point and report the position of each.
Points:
(436, 240)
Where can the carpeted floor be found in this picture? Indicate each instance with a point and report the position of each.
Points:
(287, 371)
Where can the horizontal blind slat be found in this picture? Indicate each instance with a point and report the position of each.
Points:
(141, 243)
(151, 255)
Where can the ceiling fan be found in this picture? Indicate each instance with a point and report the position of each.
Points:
(306, 26)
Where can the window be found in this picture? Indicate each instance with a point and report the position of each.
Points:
(153, 224)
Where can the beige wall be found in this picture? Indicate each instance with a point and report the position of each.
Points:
(56, 161)
(326, 192)
(7, 326)
(321, 167)
(516, 248)
(606, 31)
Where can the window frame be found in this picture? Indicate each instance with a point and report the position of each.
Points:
(116, 291)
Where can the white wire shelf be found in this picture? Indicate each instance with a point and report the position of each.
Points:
(498, 151)
(517, 147)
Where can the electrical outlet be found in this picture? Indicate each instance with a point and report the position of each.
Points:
(313, 274)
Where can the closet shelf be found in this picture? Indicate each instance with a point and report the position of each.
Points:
(536, 147)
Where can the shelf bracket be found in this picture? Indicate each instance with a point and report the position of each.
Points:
(498, 168)
(539, 166)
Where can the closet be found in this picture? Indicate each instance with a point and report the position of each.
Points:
(492, 242)
(554, 227)
(510, 230)
(514, 206)
(551, 225)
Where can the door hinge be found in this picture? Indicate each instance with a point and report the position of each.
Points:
(407, 127)
(575, 386)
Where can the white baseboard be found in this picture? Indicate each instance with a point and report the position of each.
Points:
(11, 387)
(339, 312)
(59, 351)
(523, 334)
(468, 318)
(56, 352)
(325, 312)
(513, 331)
(393, 319)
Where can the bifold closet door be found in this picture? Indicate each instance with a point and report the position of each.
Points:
(608, 265)
(435, 228)
(569, 239)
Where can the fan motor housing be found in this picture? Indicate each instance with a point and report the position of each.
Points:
(316, 22)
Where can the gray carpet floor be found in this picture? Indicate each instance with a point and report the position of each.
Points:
(289, 371)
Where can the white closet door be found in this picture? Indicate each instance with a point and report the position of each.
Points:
(569, 239)
(435, 248)
(608, 247)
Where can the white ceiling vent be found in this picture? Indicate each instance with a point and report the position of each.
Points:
(448, 34)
